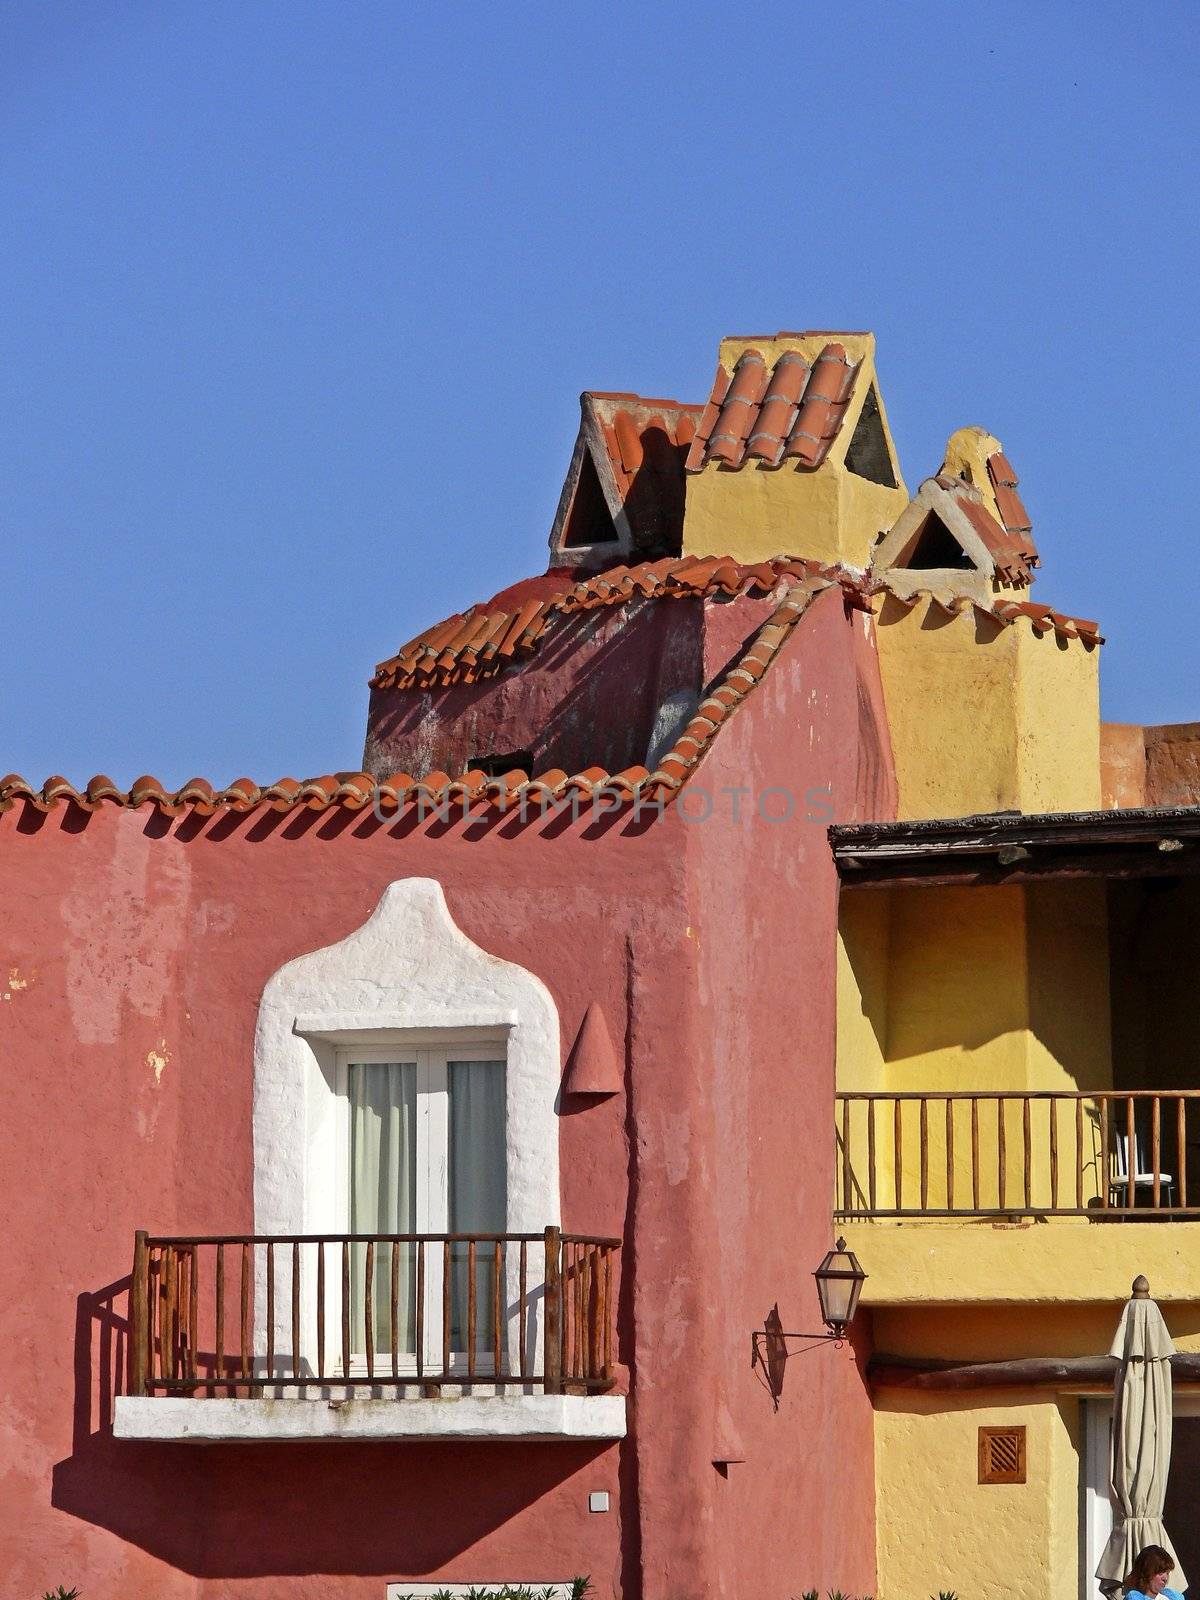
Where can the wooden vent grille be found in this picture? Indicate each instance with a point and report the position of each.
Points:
(1002, 1455)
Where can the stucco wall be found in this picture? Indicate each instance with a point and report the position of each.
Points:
(764, 929)
(940, 1529)
(986, 717)
(135, 953)
(589, 696)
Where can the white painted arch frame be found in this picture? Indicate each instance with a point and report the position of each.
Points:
(407, 976)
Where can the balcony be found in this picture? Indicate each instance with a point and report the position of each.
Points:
(944, 1194)
(367, 1336)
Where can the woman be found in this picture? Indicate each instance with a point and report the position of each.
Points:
(1148, 1579)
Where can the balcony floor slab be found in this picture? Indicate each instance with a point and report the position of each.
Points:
(529, 1417)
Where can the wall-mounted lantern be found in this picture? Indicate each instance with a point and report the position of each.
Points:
(839, 1284)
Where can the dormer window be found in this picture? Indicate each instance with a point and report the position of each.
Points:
(935, 549)
(868, 455)
(589, 521)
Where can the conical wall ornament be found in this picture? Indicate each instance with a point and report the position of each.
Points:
(593, 1067)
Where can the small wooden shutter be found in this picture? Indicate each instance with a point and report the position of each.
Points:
(1002, 1454)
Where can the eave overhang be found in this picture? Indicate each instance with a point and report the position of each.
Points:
(1013, 847)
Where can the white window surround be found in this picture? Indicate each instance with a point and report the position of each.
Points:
(407, 976)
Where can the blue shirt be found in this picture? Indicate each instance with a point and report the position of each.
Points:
(1164, 1594)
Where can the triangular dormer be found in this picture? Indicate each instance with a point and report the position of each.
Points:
(623, 495)
(965, 532)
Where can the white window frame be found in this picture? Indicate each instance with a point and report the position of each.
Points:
(432, 1157)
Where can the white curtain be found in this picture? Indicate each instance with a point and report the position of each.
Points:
(383, 1195)
(477, 1188)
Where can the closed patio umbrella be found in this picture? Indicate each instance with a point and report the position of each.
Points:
(1141, 1452)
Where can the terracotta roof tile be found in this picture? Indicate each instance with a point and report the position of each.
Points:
(1043, 619)
(1008, 502)
(1012, 549)
(787, 413)
(356, 790)
(480, 641)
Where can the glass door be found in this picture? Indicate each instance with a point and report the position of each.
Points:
(425, 1153)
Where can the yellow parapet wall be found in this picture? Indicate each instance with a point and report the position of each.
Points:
(987, 716)
(1047, 1262)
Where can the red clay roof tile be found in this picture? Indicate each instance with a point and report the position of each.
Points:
(790, 413)
(355, 790)
(481, 641)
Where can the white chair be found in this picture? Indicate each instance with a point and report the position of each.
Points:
(1143, 1174)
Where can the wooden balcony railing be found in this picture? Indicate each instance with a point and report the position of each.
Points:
(1099, 1154)
(243, 1315)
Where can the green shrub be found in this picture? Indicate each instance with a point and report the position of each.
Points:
(61, 1594)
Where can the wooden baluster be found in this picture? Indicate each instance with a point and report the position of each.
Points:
(1053, 1104)
(522, 1331)
(345, 1308)
(949, 1154)
(610, 1312)
(153, 1314)
(244, 1332)
(369, 1307)
(600, 1312)
(193, 1309)
(1001, 1153)
(580, 1311)
(1026, 1154)
(471, 1309)
(1079, 1152)
(1130, 1153)
(321, 1308)
(847, 1202)
(170, 1269)
(394, 1297)
(585, 1298)
(1181, 1148)
(568, 1309)
(419, 1333)
(270, 1309)
(871, 1152)
(295, 1309)
(497, 1282)
(445, 1306)
(924, 1154)
(181, 1309)
(219, 1362)
(139, 1311)
(1105, 1174)
(1156, 1148)
(552, 1318)
(974, 1153)
(898, 1153)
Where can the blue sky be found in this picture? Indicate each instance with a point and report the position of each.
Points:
(298, 299)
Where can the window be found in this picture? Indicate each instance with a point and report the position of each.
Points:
(424, 1152)
(589, 521)
(868, 455)
(935, 549)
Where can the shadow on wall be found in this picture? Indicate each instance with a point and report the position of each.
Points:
(246, 1511)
